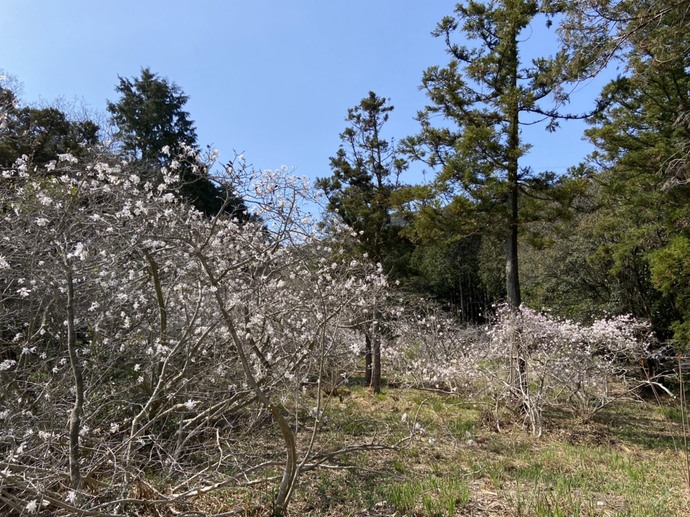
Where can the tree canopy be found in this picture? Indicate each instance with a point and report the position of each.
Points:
(40, 134)
(150, 117)
(365, 176)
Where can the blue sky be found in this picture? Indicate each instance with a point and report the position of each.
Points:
(269, 78)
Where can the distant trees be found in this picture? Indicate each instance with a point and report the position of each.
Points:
(40, 134)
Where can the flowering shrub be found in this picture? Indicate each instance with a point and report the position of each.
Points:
(565, 361)
(525, 357)
(133, 326)
(431, 349)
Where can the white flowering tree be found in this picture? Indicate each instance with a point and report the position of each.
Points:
(432, 349)
(583, 367)
(136, 331)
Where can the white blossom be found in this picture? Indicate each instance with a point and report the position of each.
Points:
(31, 506)
(7, 364)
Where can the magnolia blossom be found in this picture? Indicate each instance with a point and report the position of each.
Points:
(67, 157)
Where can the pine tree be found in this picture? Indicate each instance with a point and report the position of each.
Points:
(365, 176)
(485, 93)
(149, 116)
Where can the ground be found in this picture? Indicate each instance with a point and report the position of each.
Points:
(626, 460)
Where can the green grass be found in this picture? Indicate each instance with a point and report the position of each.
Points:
(429, 495)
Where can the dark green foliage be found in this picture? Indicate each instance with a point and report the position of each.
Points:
(670, 269)
(464, 275)
(642, 140)
(154, 129)
(149, 116)
(40, 134)
(576, 273)
(484, 94)
(365, 178)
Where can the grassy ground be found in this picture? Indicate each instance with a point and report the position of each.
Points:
(626, 461)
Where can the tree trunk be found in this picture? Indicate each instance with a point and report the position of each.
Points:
(367, 359)
(512, 260)
(289, 478)
(512, 271)
(376, 363)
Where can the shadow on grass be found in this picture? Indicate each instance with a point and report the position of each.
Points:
(640, 428)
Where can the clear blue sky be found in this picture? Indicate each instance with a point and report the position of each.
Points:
(270, 78)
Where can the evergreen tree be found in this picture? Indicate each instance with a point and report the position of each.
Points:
(365, 176)
(486, 92)
(40, 134)
(149, 116)
(154, 129)
(643, 142)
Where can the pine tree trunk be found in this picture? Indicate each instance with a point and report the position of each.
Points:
(512, 260)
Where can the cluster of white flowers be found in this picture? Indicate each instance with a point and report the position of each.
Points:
(67, 157)
(78, 252)
(7, 364)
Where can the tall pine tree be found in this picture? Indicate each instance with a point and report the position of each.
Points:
(486, 93)
(365, 176)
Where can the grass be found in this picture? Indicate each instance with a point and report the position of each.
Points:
(427, 495)
(621, 463)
